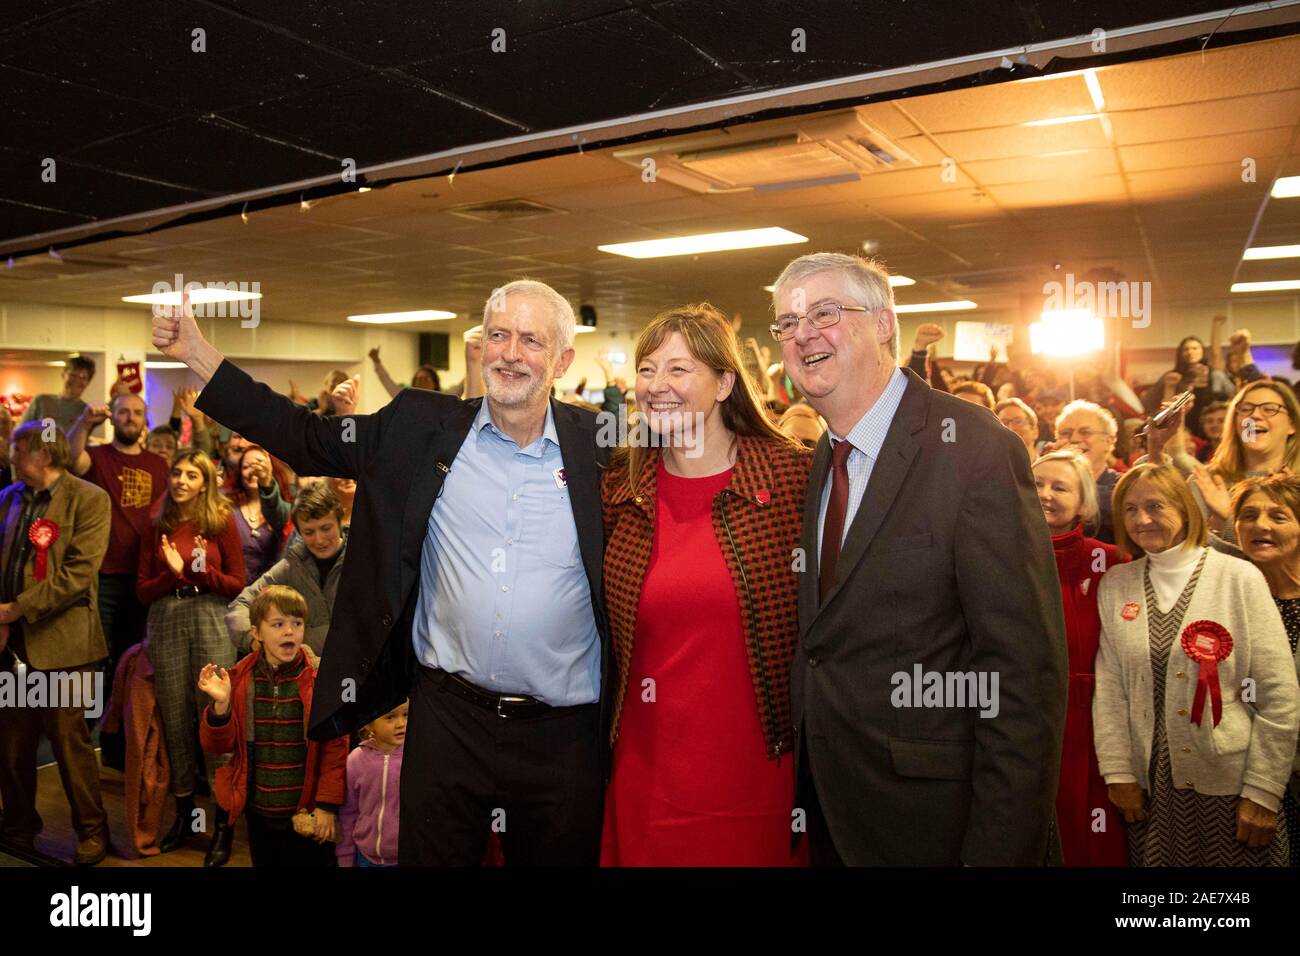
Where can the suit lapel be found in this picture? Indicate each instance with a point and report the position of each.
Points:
(808, 540)
(887, 476)
(577, 443)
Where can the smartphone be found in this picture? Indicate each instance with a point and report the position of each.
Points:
(1162, 417)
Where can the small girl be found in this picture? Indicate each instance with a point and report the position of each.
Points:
(368, 821)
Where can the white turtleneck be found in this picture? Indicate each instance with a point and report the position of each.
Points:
(1170, 571)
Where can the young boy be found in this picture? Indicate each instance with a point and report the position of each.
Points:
(292, 787)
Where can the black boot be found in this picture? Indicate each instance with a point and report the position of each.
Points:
(180, 830)
(222, 837)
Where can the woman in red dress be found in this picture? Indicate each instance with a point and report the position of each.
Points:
(1092, 830)
(702, 522)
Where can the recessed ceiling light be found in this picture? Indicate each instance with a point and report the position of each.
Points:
(1061, 119)
(706, 242)
(1094, 90)
(956, 305)
(197, 296)
(1281, 285)
(584, 328)
(1272, 252)
(394, 318)
(1288, 187)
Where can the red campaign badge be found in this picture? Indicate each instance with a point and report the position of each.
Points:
(763, 496)
(1207, 643)
(1129, 612)
(42, 534)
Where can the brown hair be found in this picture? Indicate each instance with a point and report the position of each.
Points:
(1170, 483)
(1229, 459)
(238, 493)
(979, 388)
(316, 502)
(30, 437)
(1283, 489)
(281, 597)
(87, 365)
(211, 510)
(710, 340)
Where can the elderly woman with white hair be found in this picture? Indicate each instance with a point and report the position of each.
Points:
(1091, 430)
(1197, 705)
(1068, 496)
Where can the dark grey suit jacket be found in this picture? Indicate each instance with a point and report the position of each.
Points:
(948, 564)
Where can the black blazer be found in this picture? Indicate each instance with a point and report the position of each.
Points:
(399, 457)
(947, 564)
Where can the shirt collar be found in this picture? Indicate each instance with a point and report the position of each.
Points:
(31, 494)
(868, 435)
(484, 420)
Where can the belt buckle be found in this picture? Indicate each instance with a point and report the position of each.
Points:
(505, 699)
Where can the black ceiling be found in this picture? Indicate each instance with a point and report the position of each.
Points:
(286, 89)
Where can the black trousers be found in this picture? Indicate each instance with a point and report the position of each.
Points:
(467, 773)
(273, 843)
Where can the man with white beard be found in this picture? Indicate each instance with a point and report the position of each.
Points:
(473, 584)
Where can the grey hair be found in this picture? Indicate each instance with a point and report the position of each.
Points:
(1089, 508)
(1014, 402)
(1083, 405)
(561, 310)
(868, 281)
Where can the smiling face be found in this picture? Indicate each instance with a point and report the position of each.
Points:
(673, 388)
(1085, 432)
(1259, 434)
(281, 635)
(1152, 521)
(1059, 494)
(1017, 421)
(164, 446)
(839, 369)
(75, 381)
(249, 466)
(1267, 530)
(186, 482)
(522, 353)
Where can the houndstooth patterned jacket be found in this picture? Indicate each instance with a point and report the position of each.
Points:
(757, 519)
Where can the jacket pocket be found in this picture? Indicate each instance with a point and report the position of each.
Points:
(933, 759)
(1232, 736)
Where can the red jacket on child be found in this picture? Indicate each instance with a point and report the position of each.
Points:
(323, 777)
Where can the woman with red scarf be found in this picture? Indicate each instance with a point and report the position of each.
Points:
(1092, 830)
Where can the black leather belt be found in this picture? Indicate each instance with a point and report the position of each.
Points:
(188, 591)
(516, 706)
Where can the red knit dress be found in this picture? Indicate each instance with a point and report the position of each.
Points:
(692, 784)
(1081, 562)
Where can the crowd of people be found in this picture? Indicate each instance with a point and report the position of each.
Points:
(1033, 623)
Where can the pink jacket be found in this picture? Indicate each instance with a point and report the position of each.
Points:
(368, 820)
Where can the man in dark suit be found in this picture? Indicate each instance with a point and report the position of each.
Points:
(472, 584)
(929, 687)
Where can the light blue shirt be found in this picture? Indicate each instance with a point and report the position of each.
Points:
(504, 600)
(867, 436)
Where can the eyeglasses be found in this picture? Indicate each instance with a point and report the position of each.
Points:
(1267, 409)
(1015, 422)
(1068, 434)
(821, 317)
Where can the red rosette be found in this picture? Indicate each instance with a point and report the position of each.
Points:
(1207, 643)
(42, 534)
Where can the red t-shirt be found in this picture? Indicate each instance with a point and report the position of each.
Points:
(134, 484)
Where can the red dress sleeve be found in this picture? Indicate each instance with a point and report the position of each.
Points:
(153, 578)
(225, 575)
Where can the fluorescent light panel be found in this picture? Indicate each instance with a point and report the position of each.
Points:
(1272, 252)
(1288, 187)
(395, 318)
(197, 296)
(1094, 90)
(1061, 119)
(957, 305)
(1280, 285)
(705, 242)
